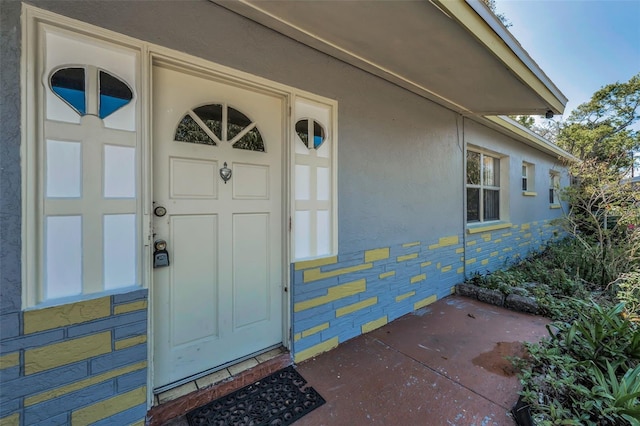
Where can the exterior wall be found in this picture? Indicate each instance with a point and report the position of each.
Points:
(391, 145)
(78, 363)
(530, 218)
(340, 297)
(492, 250)
(402, 235)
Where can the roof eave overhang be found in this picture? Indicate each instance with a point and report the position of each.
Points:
(472, 17)
(487, 28)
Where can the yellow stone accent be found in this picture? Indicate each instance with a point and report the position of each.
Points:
(507, 234)
(413, 244)
(507, 249)
(497, 240)
(110, 407)
(405, 296)
(527, 235)
(12, 420)
(314, 330)
(461, 258)
(60, 316)
(386, 274)
(448, 241)
(418, 278)
(459, 250)
(130, 307)
(479, 229)
(407, 257)
(315, 263)
(10, 360)
(425, 264)
(453, 290)
(131, 341)
(460, 270)
(356, 306)
(471, 243)
(315, 274)
(493, 253)
(372, 325)
(63, 390)
(478, 250)
(446, 268)
(438, 265)
(377, 254)
(424, 302)
(316, 350)
(529, 193)
(470, 261)
(525, 226)
(485, 261)
(526, 243)
(445, 241)
(297, 337)
(74, 350)
(555, 206)
(333, 293)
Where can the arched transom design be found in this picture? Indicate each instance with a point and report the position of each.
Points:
(214, 124)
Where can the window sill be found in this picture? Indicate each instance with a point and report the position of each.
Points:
(555, 206)
(529, 193)
(476, 229)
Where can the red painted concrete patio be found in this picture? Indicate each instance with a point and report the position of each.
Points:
(442, 365)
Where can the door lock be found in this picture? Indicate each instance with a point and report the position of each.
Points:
(160, 254)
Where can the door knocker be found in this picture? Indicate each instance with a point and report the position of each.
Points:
(225, 173)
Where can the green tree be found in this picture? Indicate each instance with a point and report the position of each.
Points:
(527, 121)
(491, 4)
(604, 218)
(603, 128)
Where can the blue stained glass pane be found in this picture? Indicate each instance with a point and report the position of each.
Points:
(318, 134)
(68, 84)
(114, 94)
(109, 105)
(73, 97)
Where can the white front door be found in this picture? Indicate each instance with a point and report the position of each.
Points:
(220, 299)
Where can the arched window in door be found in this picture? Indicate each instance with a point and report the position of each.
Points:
(214, 124)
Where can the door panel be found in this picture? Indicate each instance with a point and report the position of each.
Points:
(194, 239)
(221, 297)
(251, 234)
(191, 178)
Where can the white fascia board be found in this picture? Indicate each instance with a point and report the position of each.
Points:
(512, 128)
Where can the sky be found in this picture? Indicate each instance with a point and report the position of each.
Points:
(581, 45)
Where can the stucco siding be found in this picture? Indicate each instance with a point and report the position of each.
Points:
(403, 242)
(399, 156)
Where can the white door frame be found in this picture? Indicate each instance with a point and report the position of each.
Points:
(207, 69)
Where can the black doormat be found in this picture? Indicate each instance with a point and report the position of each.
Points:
(279, 399)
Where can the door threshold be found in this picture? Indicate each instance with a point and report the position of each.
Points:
(180, 400)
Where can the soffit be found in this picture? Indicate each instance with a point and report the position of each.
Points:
(455, 58)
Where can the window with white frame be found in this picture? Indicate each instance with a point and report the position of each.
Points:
(85, 237)
(528, 178)
(483, 187)
(314, 179)
(554, 186)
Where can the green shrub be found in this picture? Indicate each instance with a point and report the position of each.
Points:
(587, 371)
